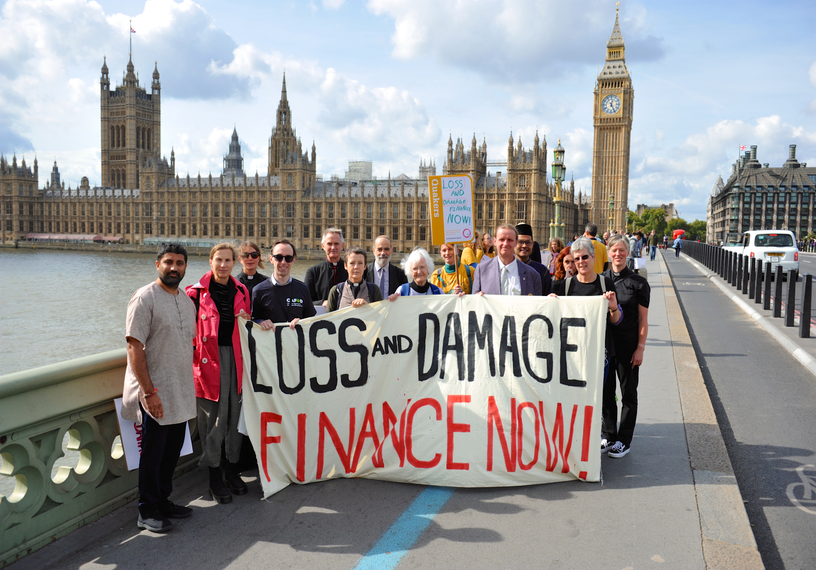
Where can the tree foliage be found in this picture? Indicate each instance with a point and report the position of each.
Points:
(654, 219)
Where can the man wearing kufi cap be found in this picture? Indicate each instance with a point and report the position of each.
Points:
(524, 250)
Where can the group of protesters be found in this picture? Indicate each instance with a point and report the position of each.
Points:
(185, 360)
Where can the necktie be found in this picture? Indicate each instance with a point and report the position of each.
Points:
(505, 280)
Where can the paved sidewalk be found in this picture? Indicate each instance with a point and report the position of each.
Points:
(672, 502)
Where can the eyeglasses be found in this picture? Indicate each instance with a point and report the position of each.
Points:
(252, 254)
(581, 257)
(281, 257)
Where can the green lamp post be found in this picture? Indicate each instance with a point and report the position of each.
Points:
(558, 175)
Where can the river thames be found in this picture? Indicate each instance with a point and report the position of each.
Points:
(60, 305)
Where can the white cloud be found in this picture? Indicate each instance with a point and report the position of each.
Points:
(383, 124)
(496, 38)
(685, 174)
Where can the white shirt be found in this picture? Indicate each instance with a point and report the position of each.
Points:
(514, 281)
(275, 282)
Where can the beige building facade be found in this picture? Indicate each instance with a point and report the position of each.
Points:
(142, 199)
(757, 196)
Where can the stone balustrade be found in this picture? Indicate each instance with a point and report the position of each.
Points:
(62, 460)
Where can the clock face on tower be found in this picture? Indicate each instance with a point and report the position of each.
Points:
(611, 104)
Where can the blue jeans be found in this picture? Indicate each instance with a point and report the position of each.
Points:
(652, 251)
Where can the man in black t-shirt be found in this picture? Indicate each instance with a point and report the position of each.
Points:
(281, 299)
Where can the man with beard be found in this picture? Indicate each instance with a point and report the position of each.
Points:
(160, 328)
(524, 250)
(322, 277)
(387, 276)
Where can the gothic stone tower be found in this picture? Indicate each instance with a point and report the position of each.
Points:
(131, 127)
(20, 212)
(614, 99)
(286, 157)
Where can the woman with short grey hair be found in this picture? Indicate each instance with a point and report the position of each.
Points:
(618, 238)
(630, 342)
(587, 283)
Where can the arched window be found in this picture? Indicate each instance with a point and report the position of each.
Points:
(112, 137)
(138, 136)
(118, 138)
(148, 138)
(124, 136)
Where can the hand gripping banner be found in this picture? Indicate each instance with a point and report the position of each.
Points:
(436, 390)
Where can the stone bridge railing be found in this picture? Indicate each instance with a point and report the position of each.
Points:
(62, 460)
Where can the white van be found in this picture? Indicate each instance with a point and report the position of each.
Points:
(775, 246)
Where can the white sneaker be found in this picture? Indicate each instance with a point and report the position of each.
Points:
(605, 445)
(618, 450)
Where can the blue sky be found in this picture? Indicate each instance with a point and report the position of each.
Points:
(390, 80)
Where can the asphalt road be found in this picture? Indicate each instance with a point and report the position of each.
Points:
(765, 403)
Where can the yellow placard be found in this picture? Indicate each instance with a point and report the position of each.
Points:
(451, 198)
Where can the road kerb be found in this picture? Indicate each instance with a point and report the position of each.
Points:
(795, 350)
(728, 540)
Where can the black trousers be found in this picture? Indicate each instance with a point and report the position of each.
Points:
(620, 368)
(161, 445)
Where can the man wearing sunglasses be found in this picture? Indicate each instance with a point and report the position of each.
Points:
(281, 299)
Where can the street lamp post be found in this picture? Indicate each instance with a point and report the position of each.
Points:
(611, 212)
(559, 174)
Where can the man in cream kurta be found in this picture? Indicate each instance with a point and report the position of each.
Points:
(159, 390)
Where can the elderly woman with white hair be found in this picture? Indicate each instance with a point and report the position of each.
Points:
(587, 283)
(418, 266)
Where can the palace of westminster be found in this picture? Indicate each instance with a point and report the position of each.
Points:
(142, 199)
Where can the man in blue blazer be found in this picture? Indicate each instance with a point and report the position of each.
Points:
(504, 274)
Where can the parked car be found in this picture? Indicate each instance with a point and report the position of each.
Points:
(775, 246)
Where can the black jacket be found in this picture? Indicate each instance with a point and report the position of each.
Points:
(396, 277)
(321, 278)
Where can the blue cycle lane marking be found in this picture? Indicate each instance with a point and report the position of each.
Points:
(406, 530)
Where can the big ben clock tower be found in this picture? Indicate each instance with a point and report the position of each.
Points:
(613, 104)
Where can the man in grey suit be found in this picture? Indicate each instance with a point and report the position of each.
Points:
(504, 275)
(387, 276)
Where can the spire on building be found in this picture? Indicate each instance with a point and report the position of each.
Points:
(234, 161)
(283, 88)
(616, 39)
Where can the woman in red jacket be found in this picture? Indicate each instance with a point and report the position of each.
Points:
(220, 300)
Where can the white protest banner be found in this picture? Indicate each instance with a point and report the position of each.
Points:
(438, 390)
(130, 433)
(451, 198)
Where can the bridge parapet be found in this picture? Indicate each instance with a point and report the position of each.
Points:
(62, 460)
